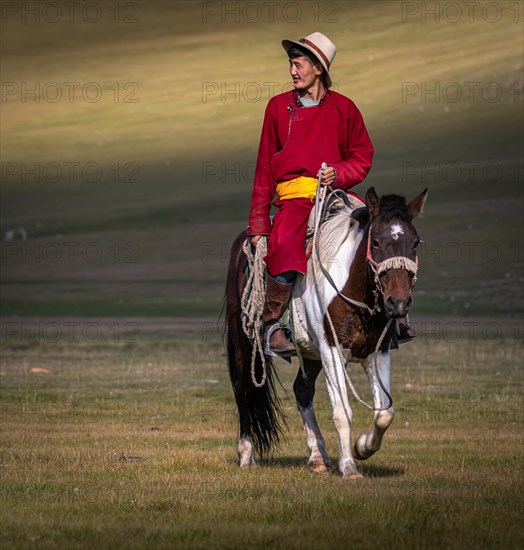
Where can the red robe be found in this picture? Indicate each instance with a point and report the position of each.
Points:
(295, 141)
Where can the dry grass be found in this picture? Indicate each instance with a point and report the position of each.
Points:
(134, 445)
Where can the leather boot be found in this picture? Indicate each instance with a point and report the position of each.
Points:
(277, 299)
(405, 332)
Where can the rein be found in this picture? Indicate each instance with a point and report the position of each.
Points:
(320, 204)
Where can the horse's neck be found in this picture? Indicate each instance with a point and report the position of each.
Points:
(357, 330)
(359, 286)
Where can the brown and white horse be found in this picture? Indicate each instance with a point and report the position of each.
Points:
(368, 261)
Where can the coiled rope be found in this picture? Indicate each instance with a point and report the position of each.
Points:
(252, 304)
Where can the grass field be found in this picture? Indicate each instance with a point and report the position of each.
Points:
(131, 443)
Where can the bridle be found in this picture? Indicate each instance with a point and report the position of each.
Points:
(395, 262)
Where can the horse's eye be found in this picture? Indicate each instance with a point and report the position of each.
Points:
(374, 243)
(416, 243)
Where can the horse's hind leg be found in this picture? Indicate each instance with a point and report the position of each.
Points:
(368, 444)
(239, 351)
(304, 388)
(242, 390)
(245, 449)
(259, 408)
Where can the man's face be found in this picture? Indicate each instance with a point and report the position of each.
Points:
(303, 73)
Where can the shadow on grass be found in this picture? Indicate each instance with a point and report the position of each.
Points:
(284, 462)
(375, 470)
(369, 470)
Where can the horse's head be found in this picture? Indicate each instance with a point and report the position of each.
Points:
(392, 245)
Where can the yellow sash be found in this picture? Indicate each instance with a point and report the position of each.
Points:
(301, 187)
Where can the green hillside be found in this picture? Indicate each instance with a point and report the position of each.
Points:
(144, 160)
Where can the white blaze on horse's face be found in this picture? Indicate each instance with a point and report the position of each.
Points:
(396, 230)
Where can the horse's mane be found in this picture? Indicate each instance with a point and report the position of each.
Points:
(393, 206)
(334, 231)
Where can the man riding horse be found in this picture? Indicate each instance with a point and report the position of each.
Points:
(303, 128)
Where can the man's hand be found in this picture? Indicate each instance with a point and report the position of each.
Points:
(328, 176)
(255, 239)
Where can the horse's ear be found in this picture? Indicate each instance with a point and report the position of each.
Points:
(360, 215)
(416, 205)
(372, 202)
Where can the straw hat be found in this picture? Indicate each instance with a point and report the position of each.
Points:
(320, 46)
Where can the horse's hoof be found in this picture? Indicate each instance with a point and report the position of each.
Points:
(247, 464)
(319, 466)
(356, 453)
(353, 476)
(360, 454)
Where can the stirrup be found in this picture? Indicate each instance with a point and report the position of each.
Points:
(267, 337)
(403, 339)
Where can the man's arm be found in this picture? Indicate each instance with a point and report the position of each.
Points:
(359, 156)
(263, 185)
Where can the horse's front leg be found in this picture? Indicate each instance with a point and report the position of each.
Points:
(304, 388)
(342, 413)
(368, 444)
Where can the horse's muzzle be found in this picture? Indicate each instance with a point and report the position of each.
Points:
(397, 309)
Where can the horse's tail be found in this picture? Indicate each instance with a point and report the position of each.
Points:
(260, 410)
